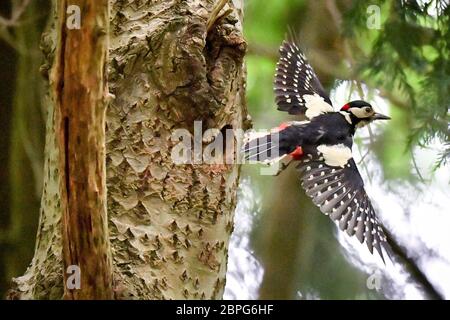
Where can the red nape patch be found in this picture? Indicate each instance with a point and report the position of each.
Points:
(297, 153)
(345, 107)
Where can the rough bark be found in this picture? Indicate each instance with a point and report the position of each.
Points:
(169, 224)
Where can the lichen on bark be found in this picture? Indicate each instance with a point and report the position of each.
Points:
(169, 224)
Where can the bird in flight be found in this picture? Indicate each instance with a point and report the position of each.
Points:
(322, 147)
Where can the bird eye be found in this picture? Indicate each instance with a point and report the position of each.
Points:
(368, 109)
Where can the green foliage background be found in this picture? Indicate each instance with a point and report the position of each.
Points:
(405, 62)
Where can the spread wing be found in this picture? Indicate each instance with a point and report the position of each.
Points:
(339, 192)
(297, 88)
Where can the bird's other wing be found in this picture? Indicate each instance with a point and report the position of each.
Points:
(297, 88)
(339, 193)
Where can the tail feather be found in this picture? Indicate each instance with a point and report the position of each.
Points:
(262, 149)
(270, 147)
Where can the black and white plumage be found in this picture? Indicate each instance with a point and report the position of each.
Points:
(322, 147)
(339, 193)
(297, 86)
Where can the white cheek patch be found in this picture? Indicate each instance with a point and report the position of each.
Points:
(346, 116)
(335, 155)
(315, 105)
(360, 113)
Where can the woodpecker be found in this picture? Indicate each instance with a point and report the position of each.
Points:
(322, 147)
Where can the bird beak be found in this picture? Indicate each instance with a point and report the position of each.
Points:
(379, 116)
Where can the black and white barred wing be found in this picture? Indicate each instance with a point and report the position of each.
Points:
(297, 88)
(339, 192)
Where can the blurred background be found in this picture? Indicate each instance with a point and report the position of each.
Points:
(394, 54)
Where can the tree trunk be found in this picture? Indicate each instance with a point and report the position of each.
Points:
(169, 224)
(80, 94)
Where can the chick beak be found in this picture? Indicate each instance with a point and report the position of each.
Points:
(379, 116)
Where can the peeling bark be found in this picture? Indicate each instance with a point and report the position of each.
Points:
(169, 224)
(80, 93)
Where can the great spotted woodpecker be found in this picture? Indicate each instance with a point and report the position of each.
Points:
(321, 146)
